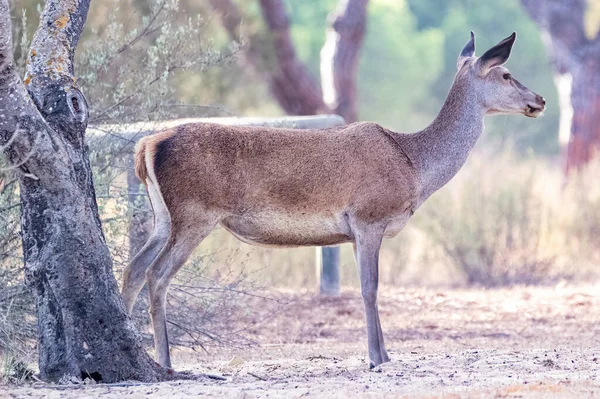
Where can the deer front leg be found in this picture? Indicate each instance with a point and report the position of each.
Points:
(366, 251)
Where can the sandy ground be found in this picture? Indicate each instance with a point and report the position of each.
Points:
(507, 343)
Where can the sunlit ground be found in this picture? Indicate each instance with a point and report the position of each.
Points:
(509, 343)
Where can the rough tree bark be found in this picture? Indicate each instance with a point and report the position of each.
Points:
(83, 327)
(576, 60)
(290, 81)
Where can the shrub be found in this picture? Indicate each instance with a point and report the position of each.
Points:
(496, 222)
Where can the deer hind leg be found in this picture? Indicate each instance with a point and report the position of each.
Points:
(367, 257)
(134, 275)
(184, 239)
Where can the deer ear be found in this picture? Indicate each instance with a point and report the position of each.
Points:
(497, 55)
(467, 52)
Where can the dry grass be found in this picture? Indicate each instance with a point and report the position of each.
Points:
(506, 221)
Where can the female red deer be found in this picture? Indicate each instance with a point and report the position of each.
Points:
(280, 187)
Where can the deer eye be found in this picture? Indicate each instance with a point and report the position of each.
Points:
(506, 76)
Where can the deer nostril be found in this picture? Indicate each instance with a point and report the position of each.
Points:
(542, 100)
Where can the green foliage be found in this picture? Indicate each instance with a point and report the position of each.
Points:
(398, 66)
(308, 27)
(127, 74)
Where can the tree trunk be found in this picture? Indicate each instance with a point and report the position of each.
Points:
(290, 82)
(584, 143)
(576, 60)
(84, 330)
(294, 86)
(339, 58)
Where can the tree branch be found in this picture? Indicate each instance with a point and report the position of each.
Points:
(55, 40)
(49, 78)
(295, 87)
(19, 121)
(339, 57)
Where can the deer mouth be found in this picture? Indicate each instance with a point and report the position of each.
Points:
(533, 111)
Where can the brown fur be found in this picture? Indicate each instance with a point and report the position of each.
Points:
(283, 187)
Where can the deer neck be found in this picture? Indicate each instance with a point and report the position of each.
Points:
(441, 149)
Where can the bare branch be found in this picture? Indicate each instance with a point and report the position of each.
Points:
(147, 30)
(6, 146)
(17, 163)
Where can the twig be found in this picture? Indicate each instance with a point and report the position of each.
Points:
(257, 376)
(215, 377)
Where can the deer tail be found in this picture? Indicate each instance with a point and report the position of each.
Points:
(140, 160)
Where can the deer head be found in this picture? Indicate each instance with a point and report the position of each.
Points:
(493, 85)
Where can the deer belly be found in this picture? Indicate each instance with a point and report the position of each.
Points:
(288, 230)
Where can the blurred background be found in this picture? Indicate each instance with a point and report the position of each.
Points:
(525, 209)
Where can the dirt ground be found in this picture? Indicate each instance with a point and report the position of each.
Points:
(505, 343)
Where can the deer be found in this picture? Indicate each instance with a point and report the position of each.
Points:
(280, 187)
